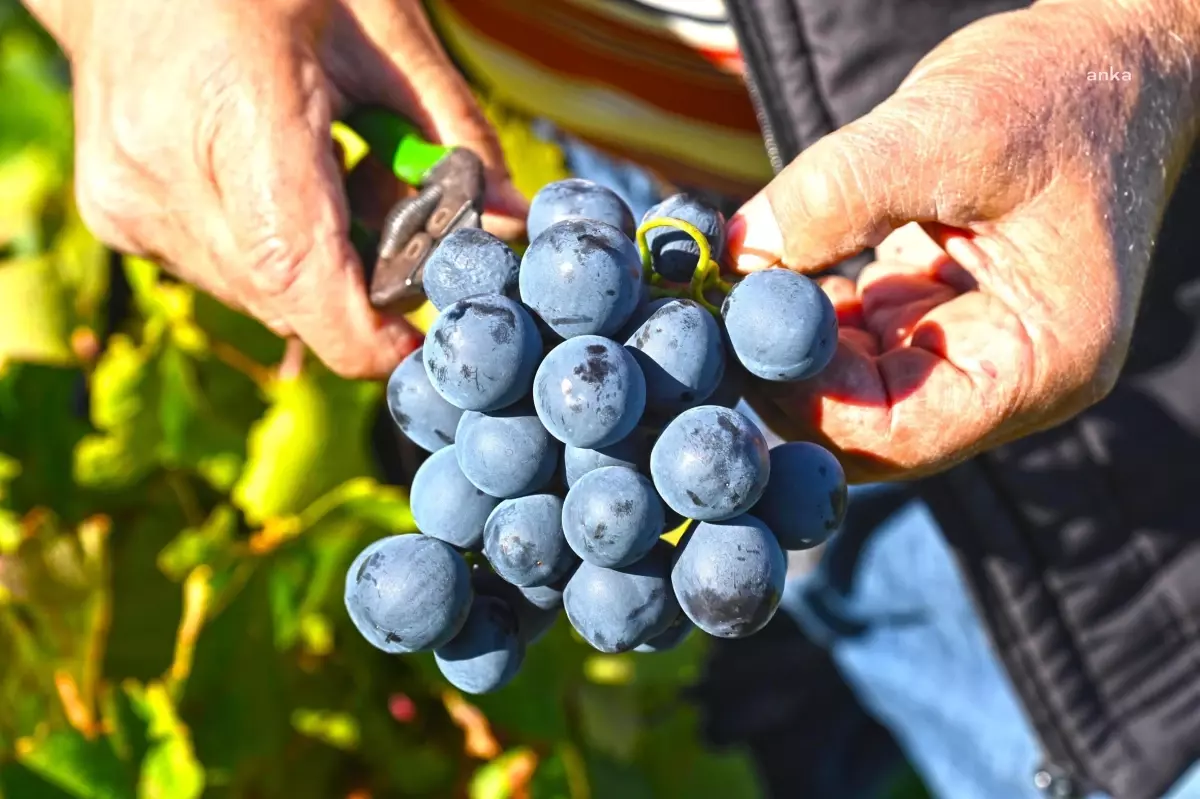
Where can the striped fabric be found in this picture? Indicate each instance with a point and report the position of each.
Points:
(656, 81)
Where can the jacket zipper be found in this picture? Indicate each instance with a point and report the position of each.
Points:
(752, 43)
(764, 124)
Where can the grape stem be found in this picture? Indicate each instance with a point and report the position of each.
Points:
(707, 275)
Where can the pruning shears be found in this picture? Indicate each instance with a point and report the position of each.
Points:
(450, 183)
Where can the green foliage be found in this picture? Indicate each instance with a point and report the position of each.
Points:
(176, 518)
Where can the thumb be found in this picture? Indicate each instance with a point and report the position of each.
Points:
(842, 195)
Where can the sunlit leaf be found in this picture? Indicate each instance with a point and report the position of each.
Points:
(506, 776)
(339, 730)
(43, 114)
(127, 729)
(10, 527)
(82, 264)
(308, 579)
(365, 500)
(313, 438)
(35, 313)
(52, 621)
(609, 669)
(532, 161)
(125, 391)
(149, 407)
(562, 775)
(169, 769)
(193, 435)
(207, 544)
(79, 767)
(31, 182)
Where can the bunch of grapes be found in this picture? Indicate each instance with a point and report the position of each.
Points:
(578, 405)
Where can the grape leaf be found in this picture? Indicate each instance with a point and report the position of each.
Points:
(532, 160)
(609, 777)
(35, 313)
(494, 780)
(30, 183)
(535, 702)
(364, 499)
(124, 395)
(86, 769)
(193, 435)
(127, 730)
(16, 781)
(169, 769)
(610, 719)
(235, 700)
(677, 767)
(561, 775)
(150, 411)
(222, 323)
(207, 544)
(10, 526)
(54, 605)
(146, 604)
(43, 115)
(312, 438)
(39, 429)
(82, 264)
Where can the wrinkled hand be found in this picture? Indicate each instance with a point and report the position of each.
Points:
(204, 142)
(1039, 194)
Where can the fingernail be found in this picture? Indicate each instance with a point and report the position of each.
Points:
(754, 239)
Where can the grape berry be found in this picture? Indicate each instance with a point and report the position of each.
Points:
(578, 404)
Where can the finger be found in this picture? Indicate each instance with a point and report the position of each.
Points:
(852, 331)
(203, 242)
(894, 325)
(901, 414)
(415, 77)
(504, 226)
(286, 210)
(960, 251)
(840, 290)
(862, 340)
(883, 288)
(943, 269)
(846, 302)
(910, 244)
(892, 298)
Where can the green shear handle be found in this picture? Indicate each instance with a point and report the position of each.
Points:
(396, 142)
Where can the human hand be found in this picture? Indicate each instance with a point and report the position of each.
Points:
(1039, 193)
(203, 141)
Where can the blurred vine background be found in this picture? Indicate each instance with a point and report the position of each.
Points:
(177, 512)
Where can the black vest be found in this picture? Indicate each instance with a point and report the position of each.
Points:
(1082, 544)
